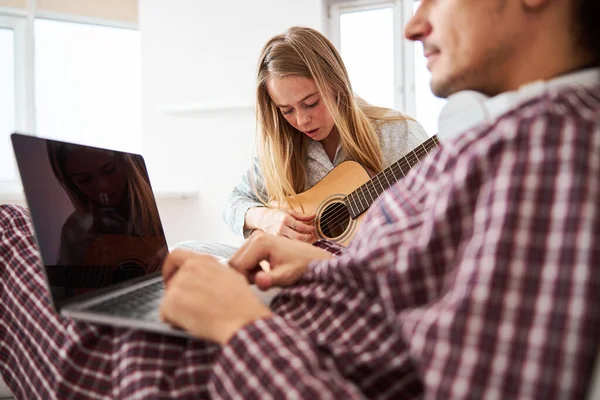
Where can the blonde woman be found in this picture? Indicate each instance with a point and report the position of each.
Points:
(309, 121)
(115, 222)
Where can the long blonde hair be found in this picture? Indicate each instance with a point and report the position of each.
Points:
(282, 150)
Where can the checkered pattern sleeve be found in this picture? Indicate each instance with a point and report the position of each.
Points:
(331, 247)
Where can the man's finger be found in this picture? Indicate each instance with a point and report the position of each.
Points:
(283, 276)
(263, 280)
(252, 252)
(173, 261)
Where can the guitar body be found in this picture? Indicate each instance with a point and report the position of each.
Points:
(340, 199)
(326, 201)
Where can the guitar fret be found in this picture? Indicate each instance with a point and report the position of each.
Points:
(366, 192)
(362, 197)
(401, 170)
(359, 198)
(375, 192)
(393, 173)
(381, 187)
(348, 207)
(385, 183)
(393, 177)
(359, 206)
(386, 178)
(348, 201)
(370, 191)
(369, 187)
(352, 207)
(416, 156)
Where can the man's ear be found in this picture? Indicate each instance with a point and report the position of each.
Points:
(534, 4)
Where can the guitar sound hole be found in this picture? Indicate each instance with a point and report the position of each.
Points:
(334, 220)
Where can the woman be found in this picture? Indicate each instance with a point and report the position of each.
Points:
(114, 232)
(309, 121)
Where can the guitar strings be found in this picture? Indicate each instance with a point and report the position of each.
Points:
(338, 218)
(395, 169)
(335, 220)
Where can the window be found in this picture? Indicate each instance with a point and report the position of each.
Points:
(88, 84)
(367, 47)
(7, 102)
(385, 69)
(69, 70)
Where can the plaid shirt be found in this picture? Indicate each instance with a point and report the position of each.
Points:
(475, 276)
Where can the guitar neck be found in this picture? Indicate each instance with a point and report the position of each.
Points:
(361, 199)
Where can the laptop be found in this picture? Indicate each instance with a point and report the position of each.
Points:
(98, 231)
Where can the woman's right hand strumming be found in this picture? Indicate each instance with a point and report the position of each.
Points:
(292, 224)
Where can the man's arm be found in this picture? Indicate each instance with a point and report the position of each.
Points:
(495, 280)
(329, 339)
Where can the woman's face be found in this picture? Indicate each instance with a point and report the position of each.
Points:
(302, 105)
(98, 175)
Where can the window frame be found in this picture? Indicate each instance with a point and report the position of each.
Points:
(18, 25)
(22, 21)
(17, 22)
(404, 78)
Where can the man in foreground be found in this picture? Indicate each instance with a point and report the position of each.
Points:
(475, 276)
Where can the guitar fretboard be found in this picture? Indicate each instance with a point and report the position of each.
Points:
(361, 199)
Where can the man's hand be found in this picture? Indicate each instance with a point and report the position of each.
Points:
(288, 260)
(207, 299)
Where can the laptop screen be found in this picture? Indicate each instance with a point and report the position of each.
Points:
(94, 215)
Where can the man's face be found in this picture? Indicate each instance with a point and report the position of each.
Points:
(469, 44)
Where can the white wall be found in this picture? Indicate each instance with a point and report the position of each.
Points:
(199, 51)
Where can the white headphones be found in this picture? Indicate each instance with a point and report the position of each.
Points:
(463, 110)
(468, 108)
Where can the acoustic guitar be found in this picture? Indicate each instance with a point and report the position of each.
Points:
(340, 199)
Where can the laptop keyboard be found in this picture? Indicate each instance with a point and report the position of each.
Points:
(142, 303)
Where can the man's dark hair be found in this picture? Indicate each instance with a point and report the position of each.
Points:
(587, 25)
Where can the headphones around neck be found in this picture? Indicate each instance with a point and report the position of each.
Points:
(462, 111)
(466, 109)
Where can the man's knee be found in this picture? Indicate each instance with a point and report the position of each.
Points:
(13, 212)
(14, 221)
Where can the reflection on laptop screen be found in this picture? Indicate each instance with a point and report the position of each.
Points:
(94, 214)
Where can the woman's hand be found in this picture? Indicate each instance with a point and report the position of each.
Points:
(291, 224)
(207, 299)
(288, 260)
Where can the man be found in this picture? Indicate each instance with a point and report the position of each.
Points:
(476, 276)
